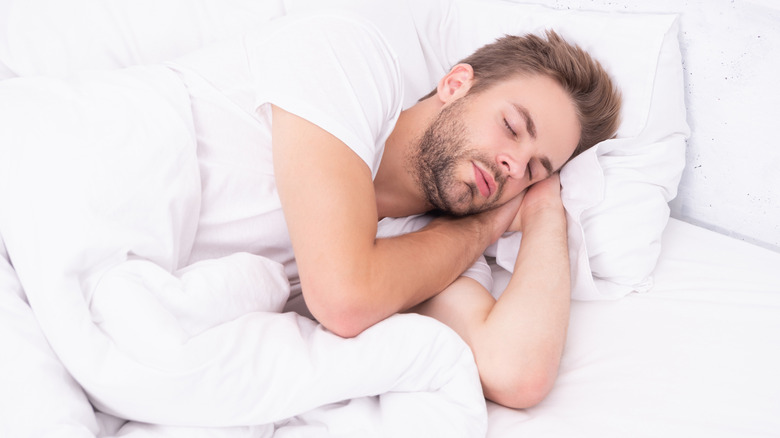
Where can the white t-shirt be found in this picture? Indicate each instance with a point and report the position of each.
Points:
(334, 71)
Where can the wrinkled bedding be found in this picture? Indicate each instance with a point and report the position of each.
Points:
(694, 356)
(105, 329)
(100, 194)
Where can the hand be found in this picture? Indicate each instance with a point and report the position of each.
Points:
(512, 215)
(540, 197)
(508, 215)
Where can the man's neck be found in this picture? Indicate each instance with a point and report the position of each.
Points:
(398, 192)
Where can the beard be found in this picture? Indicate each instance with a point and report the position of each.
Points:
(434, 163)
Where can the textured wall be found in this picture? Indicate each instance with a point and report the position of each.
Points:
(731, 55)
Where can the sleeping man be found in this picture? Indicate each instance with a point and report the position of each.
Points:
(484, 147)
(301, 125)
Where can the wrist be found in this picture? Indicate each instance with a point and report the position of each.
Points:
(477, 228)
(548, 215)
(491, 224)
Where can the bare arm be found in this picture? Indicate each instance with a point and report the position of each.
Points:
(350, 279)
(518, 340)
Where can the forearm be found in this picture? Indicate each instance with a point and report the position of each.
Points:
(533, 312)
(350, 279)
(518, 340)
(394, 274)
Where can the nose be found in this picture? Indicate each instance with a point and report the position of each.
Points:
(512, 165)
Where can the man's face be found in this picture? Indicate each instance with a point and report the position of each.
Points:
(485, 148)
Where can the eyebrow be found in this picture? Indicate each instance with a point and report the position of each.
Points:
(547, 165)
(531, 128)
(529, 121)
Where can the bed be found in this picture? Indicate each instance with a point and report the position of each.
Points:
(693, 356)
(673, 332)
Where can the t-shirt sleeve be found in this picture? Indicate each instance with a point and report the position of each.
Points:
(334, 71)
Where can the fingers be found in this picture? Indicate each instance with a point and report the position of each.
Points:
(542, 196)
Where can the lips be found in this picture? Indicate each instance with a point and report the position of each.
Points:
(485, 182)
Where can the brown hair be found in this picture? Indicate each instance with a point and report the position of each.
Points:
(595, 97)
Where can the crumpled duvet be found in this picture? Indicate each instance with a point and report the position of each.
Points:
(99, 202)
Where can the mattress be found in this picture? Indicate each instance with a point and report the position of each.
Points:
(696, 355)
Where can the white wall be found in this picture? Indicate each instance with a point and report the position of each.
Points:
(731, 56)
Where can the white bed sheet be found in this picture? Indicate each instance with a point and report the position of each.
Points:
(698, 355)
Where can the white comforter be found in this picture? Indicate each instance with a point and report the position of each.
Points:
(100, 195)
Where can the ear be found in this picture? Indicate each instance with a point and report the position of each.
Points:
(456, 83)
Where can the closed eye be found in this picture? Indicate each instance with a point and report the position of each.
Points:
(512, 131)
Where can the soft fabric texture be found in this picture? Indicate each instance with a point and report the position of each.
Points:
(99, 214)
(231, 86)
(50, 37)
(616, 195)
(633, 176)
(694, 357)
(40, 398)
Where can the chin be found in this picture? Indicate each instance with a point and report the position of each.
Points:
(465, 209)
(459, 213)
(462, 202)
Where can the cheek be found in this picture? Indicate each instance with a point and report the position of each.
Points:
(464, 170)
(487, 144)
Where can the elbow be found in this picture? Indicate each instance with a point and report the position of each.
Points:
(343, 315)
(345, 325)
(530, 391)
(520, 387)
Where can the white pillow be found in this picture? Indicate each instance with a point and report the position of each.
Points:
(54, 37)
(616, 194)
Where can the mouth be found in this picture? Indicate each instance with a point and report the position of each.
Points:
(485, 182)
